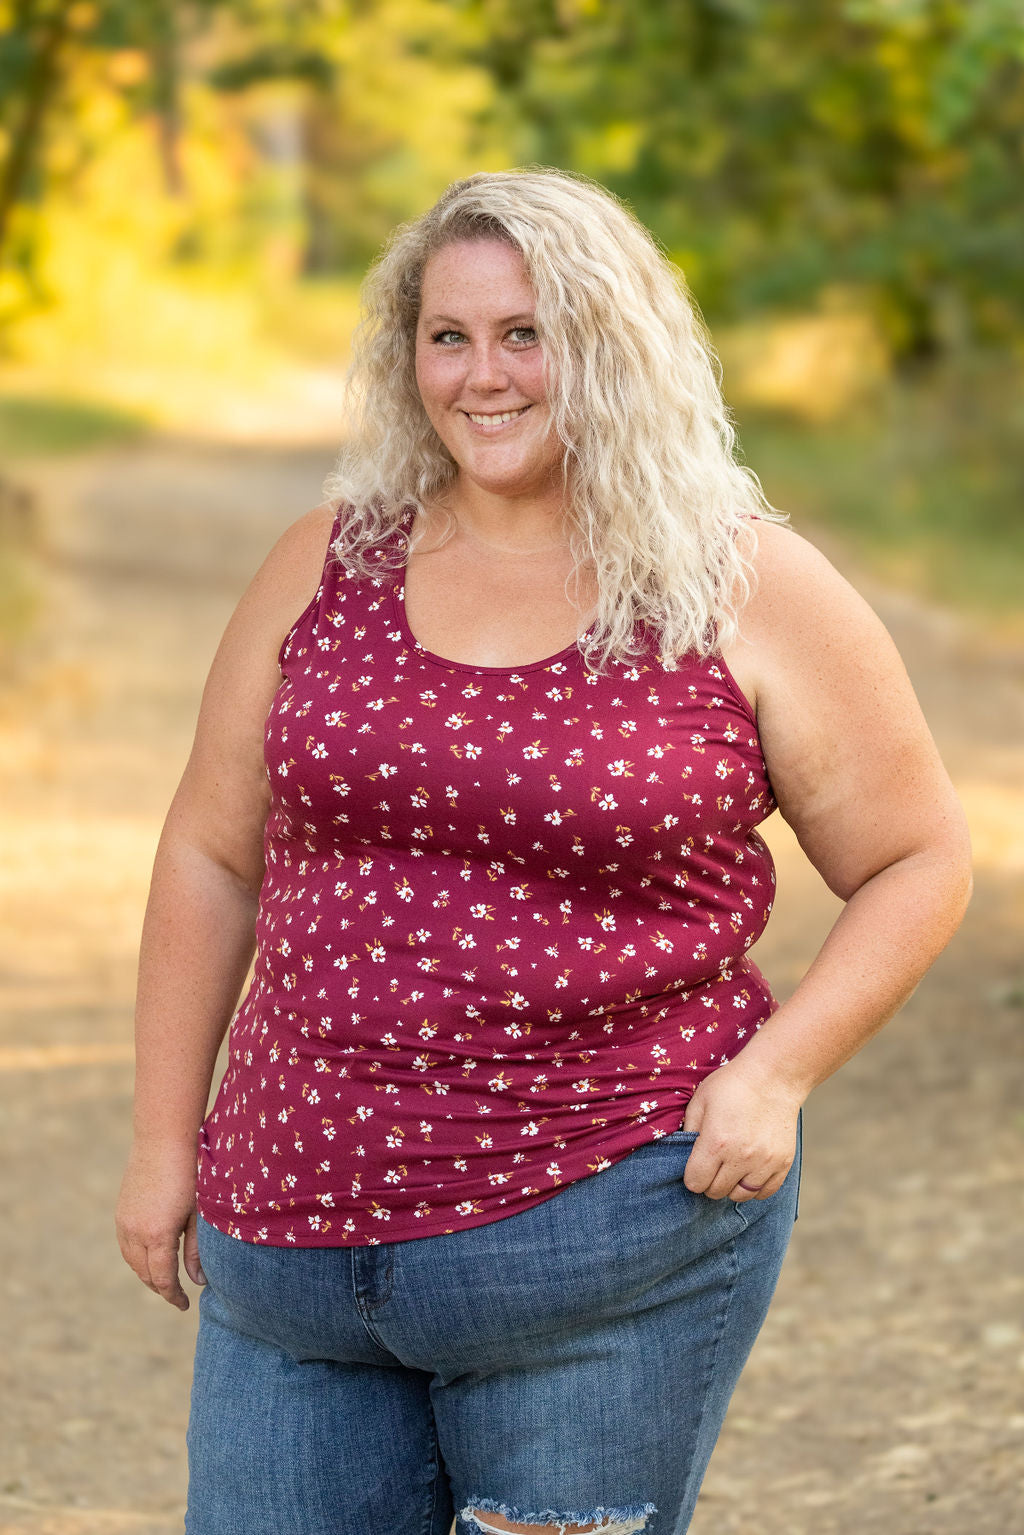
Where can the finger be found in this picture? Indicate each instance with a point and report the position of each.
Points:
(773, 1184)
(693, 1116)
(723, 1183)
(702, 1168)
(193, 1267)
(134, 1253)
(164, 1277)
(764, 1186)
(746, 1189)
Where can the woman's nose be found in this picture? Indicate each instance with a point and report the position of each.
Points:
(487, 367)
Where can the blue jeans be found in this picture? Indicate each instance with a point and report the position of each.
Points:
(568, 1364)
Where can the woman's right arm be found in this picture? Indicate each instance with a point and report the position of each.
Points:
(198, 936)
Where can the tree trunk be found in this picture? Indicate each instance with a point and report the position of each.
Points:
(42, 79)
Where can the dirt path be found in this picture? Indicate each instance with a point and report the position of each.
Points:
(887, 1390)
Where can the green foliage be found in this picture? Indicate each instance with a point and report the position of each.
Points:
(778, 148)
(926, 483)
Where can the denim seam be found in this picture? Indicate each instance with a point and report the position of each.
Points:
(721, 1320)
(435, 1461)
(365, 1311)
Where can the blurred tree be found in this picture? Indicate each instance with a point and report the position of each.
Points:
(43, 43)
(780, 148)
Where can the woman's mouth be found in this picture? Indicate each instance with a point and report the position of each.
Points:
(499, 419)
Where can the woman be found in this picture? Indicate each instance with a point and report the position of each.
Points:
(505, 1080)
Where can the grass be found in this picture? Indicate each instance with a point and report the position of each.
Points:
(925, 483)
(34, 426)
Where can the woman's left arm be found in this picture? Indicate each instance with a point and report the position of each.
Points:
(857, 776)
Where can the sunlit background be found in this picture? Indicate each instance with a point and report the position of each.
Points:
(189, 194)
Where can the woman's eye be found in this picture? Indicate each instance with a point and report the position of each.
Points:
(447, 337)
(523, 335)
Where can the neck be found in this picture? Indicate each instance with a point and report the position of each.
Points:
(508, 526)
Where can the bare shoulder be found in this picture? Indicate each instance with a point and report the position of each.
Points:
(221, 802)
(289, 576)
(802, 617)
(245, 666)
(797, 593)
(852, 763)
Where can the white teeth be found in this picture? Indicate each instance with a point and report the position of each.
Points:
(509, 415)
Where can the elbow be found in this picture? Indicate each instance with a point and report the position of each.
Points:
(956, 880)
(967, 891)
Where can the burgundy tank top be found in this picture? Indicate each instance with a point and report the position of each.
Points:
(503, 931)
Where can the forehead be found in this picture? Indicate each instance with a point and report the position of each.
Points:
(475, 277)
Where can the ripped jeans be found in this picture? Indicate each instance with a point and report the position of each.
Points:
(570, 1364)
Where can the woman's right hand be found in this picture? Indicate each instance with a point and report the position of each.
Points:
(156, 1206)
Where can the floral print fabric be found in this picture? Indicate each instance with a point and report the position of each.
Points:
(503, 931)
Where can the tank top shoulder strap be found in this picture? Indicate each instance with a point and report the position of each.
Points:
(307, 622)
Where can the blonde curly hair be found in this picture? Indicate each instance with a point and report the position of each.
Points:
(654, 497)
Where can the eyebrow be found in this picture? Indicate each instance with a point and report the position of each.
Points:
(447, 319)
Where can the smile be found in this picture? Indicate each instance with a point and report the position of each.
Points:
(507, 415)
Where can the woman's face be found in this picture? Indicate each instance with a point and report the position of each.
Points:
(480, 369)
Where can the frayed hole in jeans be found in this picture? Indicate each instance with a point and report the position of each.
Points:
(498, 1519)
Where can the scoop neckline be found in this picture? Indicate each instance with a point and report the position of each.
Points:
(398, 604)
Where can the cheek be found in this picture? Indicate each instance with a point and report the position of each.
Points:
(434, 379)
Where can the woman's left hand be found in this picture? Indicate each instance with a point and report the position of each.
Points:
(747, 1133)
